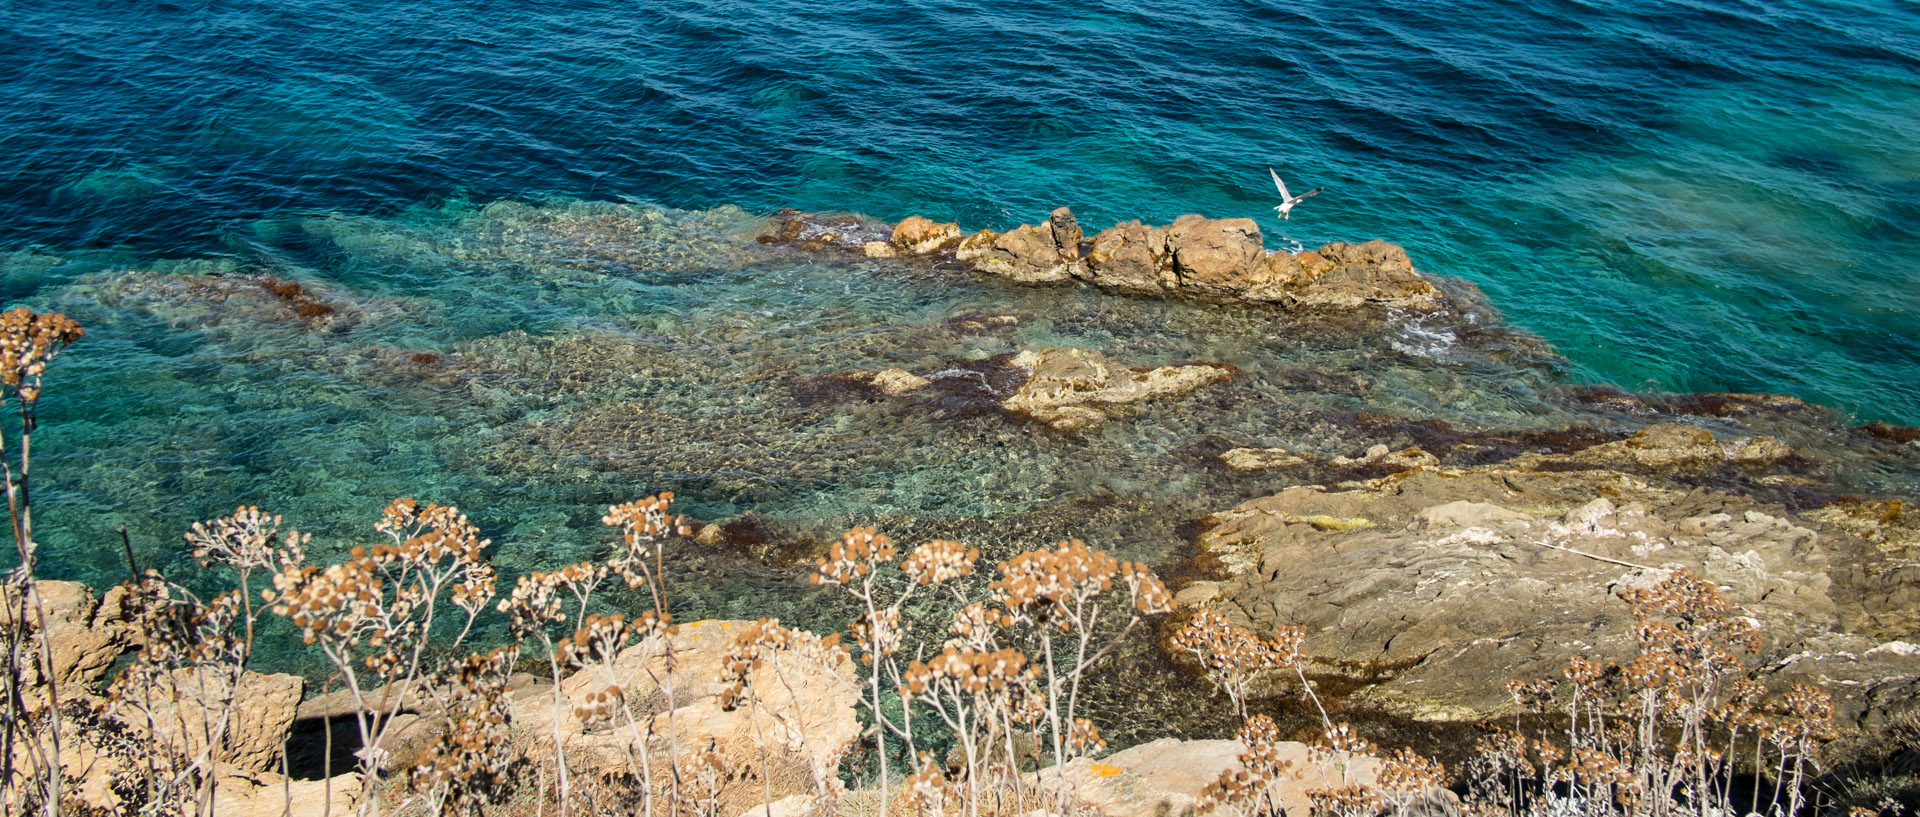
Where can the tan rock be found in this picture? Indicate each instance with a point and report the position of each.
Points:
(188, 705)
(975, 247)
(1131, 257)
(1165, 777)
(1343, 275)
(803, 721)
(1467, 578)
(896, 382)
(879, 249)
(922, 236)
(270, 795)
(1265, 459)
(1075, 389)
(84, 634)
(1215, 258)
(1665, 447)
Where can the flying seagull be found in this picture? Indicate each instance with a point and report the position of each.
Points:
(1288, 200)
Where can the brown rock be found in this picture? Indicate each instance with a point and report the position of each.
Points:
(922, 236)
(1131, 257)
(1215, 258)
(1027, 254)
(1066, 233)
(1345, 276)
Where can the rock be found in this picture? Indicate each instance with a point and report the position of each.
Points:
(1026, 254)
(1066, 233)
(1664, 447)
(1265, 459)
(186, 705)
(922, 236)
(1131, 257)
(1345, 276)
(879, 249)
(1464, 514)
(896, 382)
(1889, 431)
(85, 635)
(270, 795)
(1215, 258)
(1465, 579)
(1262, 459)
(1075, 389)
(975, 247)
(1165, 777)
(818, 232)
(807, 721)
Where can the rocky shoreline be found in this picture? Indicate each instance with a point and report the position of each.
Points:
(1426, 563)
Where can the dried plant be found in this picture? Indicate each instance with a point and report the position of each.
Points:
(1233, 657)
(539, 602)
(853, 565)
(1668, 732)
(466, 766)
(30, 724)
(374, 615)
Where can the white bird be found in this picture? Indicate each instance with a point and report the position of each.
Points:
(1288, 200)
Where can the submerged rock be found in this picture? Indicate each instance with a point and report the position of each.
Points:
(1667, 447)
(1264, 459)
(1076, 389)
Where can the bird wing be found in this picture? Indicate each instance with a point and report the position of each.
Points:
(1280, 184)
(1304, 196)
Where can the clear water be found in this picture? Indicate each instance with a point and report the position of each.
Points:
(556, 203)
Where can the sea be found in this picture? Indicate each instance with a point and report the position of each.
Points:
(525, 223)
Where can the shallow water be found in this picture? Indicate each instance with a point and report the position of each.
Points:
(533, 364)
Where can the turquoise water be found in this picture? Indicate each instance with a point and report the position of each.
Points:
(534, 228)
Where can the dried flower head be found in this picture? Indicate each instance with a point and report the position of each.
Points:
(644, 527)
(1261, 765)
(856, 555)
(28, 340)
(939, 561)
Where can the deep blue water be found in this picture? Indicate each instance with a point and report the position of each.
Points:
(1678, 195)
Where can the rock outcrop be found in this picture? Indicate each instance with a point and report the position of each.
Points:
(798, 725)
(250, 719)
(1214, 259)
(1664, 447)
(85, 634)
(1442, 583)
